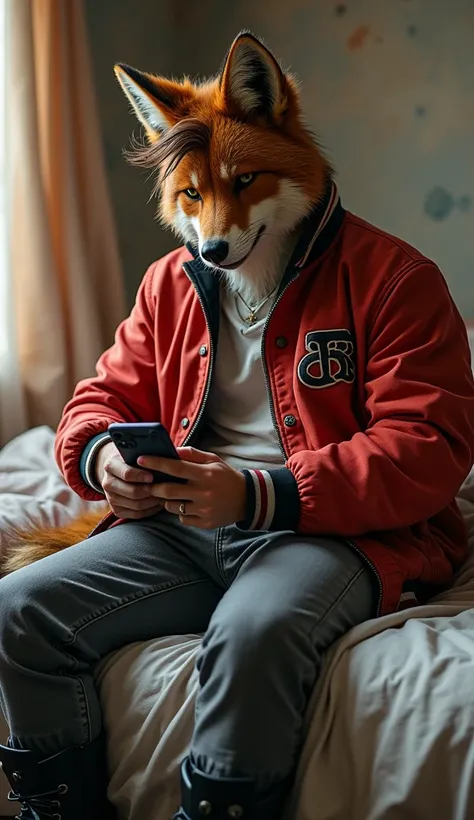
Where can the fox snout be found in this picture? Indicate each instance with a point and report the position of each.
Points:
(215, 251)
(230, 252)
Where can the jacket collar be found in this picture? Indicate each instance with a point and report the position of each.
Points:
(320, 228)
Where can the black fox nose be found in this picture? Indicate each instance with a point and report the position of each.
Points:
(215, 250)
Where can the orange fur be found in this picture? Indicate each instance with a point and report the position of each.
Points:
(276, 145)
(34, 544)
(284, 153)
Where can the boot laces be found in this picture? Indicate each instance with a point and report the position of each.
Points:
(39, 806)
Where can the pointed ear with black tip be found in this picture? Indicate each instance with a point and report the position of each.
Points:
(158, 103)
(252, 83)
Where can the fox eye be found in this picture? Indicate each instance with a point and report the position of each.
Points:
(192, 193)
(244, 180)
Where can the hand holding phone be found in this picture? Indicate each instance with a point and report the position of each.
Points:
(126, 485)
(127, 489)
(144, 439)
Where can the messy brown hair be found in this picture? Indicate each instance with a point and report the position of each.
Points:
(165, 155)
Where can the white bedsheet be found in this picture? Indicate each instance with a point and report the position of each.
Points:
(32, 490)
(391, 727)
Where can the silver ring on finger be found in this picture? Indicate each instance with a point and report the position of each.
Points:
(182, 508)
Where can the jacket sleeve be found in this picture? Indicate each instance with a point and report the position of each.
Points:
(418, 445)
(124, 389)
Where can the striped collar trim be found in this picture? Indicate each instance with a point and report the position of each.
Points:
(329, 205)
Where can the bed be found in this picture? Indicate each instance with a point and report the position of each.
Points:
(390, 731)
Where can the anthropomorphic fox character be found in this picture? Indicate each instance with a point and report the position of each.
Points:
(243, 183)
(314, 375)
(237, 172)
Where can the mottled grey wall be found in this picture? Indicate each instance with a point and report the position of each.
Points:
(387, 84)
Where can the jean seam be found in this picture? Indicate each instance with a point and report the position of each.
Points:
(220, 557)
(85, 715)
(341, 595)
(122, 603)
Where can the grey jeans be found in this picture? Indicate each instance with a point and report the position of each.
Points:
(269, 604)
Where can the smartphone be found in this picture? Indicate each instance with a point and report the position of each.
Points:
(144, 439)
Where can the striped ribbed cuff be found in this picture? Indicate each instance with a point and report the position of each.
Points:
(272, 500)
(88, 458)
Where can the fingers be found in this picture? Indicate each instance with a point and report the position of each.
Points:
(169, 466)
(131, 504)
(194, 514)
(188, 466)
(191, 454)
(128, 490)
(175, 507)
(124, 512)
(171, 491)
(123, 489)
(116, 467)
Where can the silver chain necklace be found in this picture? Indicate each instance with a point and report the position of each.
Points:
(252, 317)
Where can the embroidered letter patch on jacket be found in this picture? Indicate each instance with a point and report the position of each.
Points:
(330, 358)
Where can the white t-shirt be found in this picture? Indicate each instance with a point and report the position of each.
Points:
(239, 425)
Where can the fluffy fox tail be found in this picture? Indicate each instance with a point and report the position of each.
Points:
(32, 545)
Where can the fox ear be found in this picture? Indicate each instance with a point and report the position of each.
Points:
(252, 82)
(158, 103)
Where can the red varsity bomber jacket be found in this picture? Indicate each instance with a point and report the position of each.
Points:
(369, 381)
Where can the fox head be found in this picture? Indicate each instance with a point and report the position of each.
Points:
(237, 171)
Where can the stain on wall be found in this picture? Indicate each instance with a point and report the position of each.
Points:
(358, 37)
(388, 87)
(439, 204)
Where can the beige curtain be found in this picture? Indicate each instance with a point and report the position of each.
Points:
(65, 280)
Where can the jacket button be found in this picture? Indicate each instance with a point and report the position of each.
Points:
(185, 422)
(281, 341)
(289, 421)
(203, 350)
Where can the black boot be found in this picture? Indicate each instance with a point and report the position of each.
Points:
(225, 798)
(71, 785)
